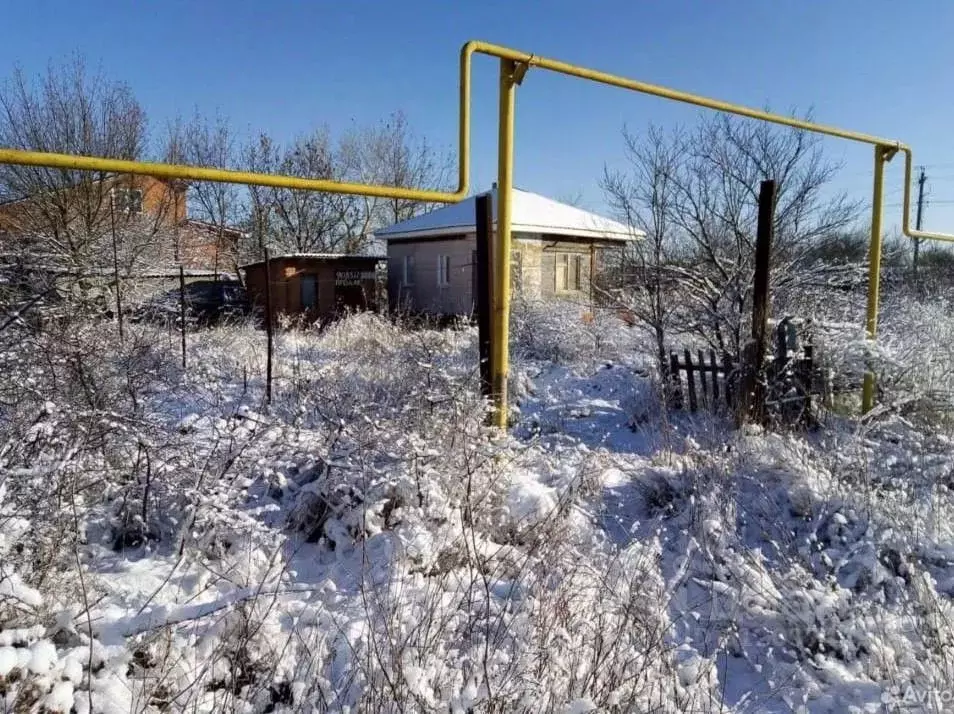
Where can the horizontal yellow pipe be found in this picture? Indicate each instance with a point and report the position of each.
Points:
(201, 173)
(673, 94)
(720, 106)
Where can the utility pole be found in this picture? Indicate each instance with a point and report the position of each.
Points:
(922, 179)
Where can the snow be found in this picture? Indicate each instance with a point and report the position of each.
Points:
(319, 256)
(61, 698)
(529, 500)
(42, 657)
(366, 539)
(13, 587)
(531, 213)
(9, 659)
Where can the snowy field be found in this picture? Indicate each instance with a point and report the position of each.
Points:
(168, 543)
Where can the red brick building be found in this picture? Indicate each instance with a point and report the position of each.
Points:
(161, 200)
(205, 246)
(155, 206)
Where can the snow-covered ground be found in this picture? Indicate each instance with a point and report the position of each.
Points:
(170, 543)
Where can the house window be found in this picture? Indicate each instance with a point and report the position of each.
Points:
(127, 200)
(443, 270)
(407, 277)
(309, 291)
(569, 272)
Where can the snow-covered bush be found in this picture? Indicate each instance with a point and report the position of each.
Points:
(170, 541)
(912, 356)
(566, 332)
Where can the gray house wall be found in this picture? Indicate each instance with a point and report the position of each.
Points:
(424, 294)
(534, 260)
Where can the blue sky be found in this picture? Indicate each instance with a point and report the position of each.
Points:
(286, 67)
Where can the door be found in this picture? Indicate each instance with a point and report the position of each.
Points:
(309, 292)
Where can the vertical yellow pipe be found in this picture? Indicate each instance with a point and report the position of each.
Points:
(874, 269)
(500, 329)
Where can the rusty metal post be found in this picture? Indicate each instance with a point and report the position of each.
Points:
(182, 313)
(269, 327)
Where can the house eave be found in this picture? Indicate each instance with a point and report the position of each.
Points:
(318, 257)
(594, 233)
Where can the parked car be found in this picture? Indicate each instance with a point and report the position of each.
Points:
(207, 302)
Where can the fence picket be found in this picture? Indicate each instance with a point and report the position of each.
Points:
(703, 380)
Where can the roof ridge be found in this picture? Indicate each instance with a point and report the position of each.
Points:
(535, 212)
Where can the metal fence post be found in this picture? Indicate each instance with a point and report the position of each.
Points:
(182, 313)
(268, 328)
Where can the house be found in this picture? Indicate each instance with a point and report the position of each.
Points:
(206, 246)
(141, 204)
(557, 250)
(163, 202)
(316, 285)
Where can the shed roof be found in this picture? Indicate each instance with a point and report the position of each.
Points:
(316, 256)
(532, 213)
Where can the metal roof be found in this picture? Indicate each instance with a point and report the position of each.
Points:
(316, 256)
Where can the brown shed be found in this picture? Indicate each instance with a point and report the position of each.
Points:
(317, 285)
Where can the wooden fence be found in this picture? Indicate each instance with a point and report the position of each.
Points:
(717, 380)
(710, 382)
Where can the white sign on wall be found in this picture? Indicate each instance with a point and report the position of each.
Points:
(354, 277)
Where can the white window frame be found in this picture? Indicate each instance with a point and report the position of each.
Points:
(407, 273)
(577, 264)
(569, 267)
(561, 269)
(127, 199)
(443, 271)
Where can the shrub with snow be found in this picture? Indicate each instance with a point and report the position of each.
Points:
(170, 542)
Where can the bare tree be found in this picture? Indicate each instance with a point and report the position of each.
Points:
(389, 153)
(712, 176)
(397, 156)
(261, 156)
(573, 198)
(642, 281)
(76, 224)
(209, 142)
(66, 111)
(310, 221)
